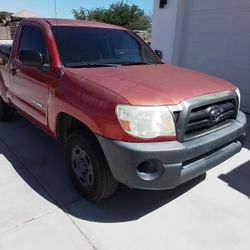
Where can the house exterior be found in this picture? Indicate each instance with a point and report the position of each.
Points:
(209, 36)
(9, 22)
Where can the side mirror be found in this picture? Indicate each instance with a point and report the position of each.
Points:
(4, 53)
(3, 58)
(31, 58)
(159, 53)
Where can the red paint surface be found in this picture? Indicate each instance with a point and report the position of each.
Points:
(154, 84)
(91, 95)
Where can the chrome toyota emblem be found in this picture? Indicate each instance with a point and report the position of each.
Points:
(215, 114)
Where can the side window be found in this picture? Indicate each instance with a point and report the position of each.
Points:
(33, 39)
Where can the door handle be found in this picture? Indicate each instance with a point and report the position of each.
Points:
(13, 71)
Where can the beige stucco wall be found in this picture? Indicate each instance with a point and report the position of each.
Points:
(5, 33)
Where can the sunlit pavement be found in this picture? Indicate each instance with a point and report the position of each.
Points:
(39, 209)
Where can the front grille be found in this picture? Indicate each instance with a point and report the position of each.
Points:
(202, 115)
(209, 117)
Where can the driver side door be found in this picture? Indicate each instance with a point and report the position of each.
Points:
(29, 84)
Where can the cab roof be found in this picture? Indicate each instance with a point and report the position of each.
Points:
(75, 23)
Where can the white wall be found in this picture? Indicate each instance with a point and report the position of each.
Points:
(167, 27)
(216, 40)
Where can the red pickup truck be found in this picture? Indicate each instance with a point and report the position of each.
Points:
(122, 114)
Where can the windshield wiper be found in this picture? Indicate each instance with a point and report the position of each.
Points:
(93, 65)
(136, 63)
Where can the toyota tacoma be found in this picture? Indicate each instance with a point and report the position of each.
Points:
(122, 114)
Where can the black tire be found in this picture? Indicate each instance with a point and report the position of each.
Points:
(88, 167)
(6, 111)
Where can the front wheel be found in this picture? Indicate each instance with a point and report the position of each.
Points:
(88, 167)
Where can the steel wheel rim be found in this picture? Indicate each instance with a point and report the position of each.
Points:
(82, 167)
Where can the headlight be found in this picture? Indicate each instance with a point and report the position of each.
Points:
(239, 96)
(146, 121)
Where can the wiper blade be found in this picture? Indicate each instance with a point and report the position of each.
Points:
(136, 63)
(94, 65)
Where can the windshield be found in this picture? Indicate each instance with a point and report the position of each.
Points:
(100, 47)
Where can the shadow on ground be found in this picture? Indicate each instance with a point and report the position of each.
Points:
(38, 159)
(239, 179)
(247, 143)
(127, 204)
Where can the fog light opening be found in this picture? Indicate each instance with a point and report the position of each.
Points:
(150, 170)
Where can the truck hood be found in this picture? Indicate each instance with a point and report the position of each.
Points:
(161, 84)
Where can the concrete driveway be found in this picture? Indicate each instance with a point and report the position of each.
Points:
(39, 209)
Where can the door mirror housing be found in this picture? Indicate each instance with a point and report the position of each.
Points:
(159, 53)
(4, 53)
(31, 58)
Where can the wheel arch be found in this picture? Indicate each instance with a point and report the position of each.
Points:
(67, 124)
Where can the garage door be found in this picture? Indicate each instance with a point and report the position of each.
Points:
(216, 40)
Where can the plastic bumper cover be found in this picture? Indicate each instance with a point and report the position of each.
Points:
(180, 162)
